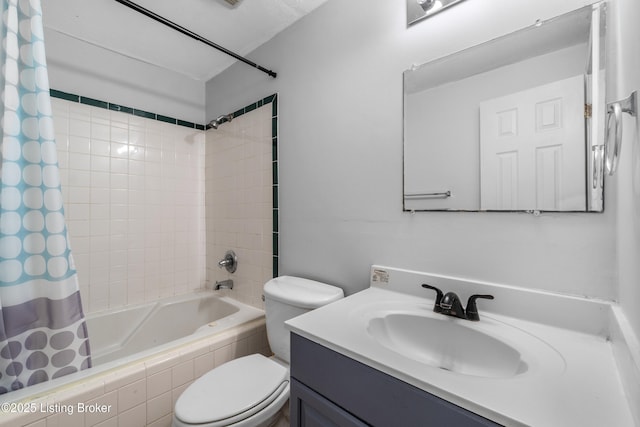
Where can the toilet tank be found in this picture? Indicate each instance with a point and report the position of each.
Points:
(286, 297)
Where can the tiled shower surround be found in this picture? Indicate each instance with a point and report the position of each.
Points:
(134, 195)
(134, 202)
(239, 201)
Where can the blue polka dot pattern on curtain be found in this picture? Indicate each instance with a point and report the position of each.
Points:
(42, 330)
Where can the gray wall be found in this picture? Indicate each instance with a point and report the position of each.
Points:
(84, 69)
(340, 108)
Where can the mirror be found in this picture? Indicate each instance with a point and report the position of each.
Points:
(514, 124)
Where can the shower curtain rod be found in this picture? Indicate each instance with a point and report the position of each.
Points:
(193, 35)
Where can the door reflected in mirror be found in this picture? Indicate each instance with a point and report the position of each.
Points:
(514, 124)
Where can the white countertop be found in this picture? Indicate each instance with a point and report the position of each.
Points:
(573, 382)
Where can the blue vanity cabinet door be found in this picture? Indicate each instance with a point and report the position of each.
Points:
(309, 409)
(334, 383)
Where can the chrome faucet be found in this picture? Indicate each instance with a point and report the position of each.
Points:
(449, 304)
(229, 262)
(224, 284)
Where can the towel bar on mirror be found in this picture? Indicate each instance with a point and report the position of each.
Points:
(441, 195)
(614, 129)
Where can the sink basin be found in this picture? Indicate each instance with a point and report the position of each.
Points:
(450, 344)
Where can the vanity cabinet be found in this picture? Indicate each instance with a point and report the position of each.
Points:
(330, 389)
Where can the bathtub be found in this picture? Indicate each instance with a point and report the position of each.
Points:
(158, 347)
(135, 331)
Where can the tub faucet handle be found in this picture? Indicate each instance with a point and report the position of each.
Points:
(230, 261)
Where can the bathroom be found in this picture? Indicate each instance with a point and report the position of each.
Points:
(339, 112)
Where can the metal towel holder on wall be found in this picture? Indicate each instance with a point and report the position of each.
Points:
(614, 129)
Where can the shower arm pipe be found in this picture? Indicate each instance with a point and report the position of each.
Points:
(193, 35)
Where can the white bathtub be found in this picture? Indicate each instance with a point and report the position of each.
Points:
(122, 333)
(144, 334)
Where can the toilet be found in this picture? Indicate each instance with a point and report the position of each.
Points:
(251, 390)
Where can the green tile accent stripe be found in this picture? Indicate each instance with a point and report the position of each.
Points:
(274, 168)
(166, 119)
(188, 124)
(275, 196)
(264, 101)
(275, 220)
(116, 107)
(93, 102)
(121, 108)
(274, 149)
(64, 95)
(145, 114)
(273, 100)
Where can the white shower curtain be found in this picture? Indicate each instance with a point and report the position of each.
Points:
(43, 334)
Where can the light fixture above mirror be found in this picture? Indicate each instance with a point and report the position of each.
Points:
(420, 9)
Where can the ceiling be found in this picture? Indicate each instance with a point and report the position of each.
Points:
(115, 27)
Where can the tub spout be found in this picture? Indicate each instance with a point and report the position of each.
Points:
(225, 284)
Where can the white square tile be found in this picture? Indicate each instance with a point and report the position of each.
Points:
(100, 179)
(79, 144)
(111, 422)
(132, 395)
(119, 180)
(158, 407)
(100, 131)
(135, 417)
(104, 407)
(159, 383)
(203, 364)
(79, 161)
(100, 164)
(79, 127)
(100, 148)
(120, 135)
(119, 165)
(182, 373)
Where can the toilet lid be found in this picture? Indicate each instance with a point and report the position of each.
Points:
(235, 388)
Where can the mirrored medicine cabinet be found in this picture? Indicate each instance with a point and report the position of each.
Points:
(513, 124)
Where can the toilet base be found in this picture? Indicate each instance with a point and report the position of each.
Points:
(282, 419)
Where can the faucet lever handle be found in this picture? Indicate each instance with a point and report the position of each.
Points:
(439, 295)
(472, 308)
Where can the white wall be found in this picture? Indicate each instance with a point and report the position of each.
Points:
(87, 70)
(340, 141)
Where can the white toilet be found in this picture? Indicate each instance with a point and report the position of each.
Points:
(251, 390)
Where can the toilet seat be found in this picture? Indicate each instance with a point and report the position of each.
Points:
(233, 392)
